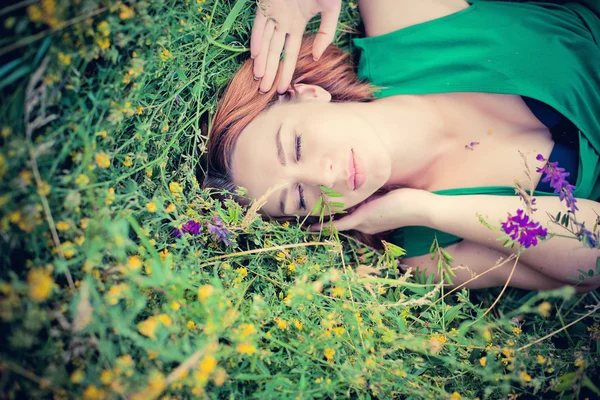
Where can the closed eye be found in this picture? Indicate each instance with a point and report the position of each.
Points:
(298, 146)
(302, 202)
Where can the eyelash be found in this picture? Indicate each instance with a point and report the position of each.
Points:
(298, 146)
(302, 204)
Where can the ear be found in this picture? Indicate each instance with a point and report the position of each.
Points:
(304, 92)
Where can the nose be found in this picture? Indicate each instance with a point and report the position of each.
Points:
(321, 173)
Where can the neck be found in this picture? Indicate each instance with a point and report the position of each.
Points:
(412, 131)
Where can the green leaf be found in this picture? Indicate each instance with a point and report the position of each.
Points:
(393, 250)
(17, 74)
(318, 206)
(587, 382)
(598, 265)
(564, 382)
(330, 192)
(42, 50)
(233, 14)
(558, 216)
(337, 204)
(6, 68)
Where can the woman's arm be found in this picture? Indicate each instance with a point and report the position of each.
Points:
(483, 267)
(558, 258)
(385, 16)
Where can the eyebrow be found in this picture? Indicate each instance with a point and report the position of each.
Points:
(282, 199)
(280, 153)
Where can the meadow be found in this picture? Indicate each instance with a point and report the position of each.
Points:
(121, 278)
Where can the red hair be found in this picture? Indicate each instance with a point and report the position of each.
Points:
(242, 102)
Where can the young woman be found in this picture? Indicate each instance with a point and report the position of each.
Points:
(451, 97)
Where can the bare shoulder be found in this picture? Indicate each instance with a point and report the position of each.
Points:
(385, 16)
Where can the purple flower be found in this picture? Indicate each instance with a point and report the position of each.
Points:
(556, 176)
(470, 145)
(192, 227)
(520, 228)
(589, 238)
(177, 233)
(218, 231)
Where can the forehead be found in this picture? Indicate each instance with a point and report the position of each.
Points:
(254, 163)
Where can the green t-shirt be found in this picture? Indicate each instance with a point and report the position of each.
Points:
(543, 50)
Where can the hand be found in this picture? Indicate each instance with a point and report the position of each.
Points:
(282, 25)
(396, 209)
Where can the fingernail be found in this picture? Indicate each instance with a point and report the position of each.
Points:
(252, 57)
(256, 79)
(315, 58)
(261, 92)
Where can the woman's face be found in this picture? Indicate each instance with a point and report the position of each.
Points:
(302, 145)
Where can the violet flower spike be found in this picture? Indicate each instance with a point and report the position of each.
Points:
(521, 228)
(556, 176)
(218, 231)
(192, 227)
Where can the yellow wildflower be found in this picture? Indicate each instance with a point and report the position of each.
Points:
(165, 55)
(102, 133)
(35, 13)
(68, 249)
(525, 376)
(110, 197)
(337, 291)
(103, 43)
(77, 376)
(298, 324)
(148, 327)
(44, 188)
(191, 324)
(281, 324)
(242, 272)
(208, 365)
(541, 359)
(455, 396)
(93, 393)
(175, 189)
(6, 131)
(151, 207)
(517, 331)
(247, 329)
(128, 162)
(339, 331)
(483, 361)
(436, 343)
(102, 160)
(82, 180)
(64, 59)
(245, 348)
(205, 291)
(152, 354)
(170, 207)
(544, 309)
(139, 110)
(106, 376)
(126, 12)
(103, 28)
(165, 319)
(329, 353)
(175, 306)
(40, 284)
(63, 226)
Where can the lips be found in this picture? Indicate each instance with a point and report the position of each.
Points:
(356, 176)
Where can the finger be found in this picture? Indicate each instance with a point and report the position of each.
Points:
(290, 57)
(324, 38)
(258, 29)
(261, 59)
(273, 56)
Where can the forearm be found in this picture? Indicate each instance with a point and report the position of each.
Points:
(558, 257)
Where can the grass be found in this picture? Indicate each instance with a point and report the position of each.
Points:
(104, 124)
